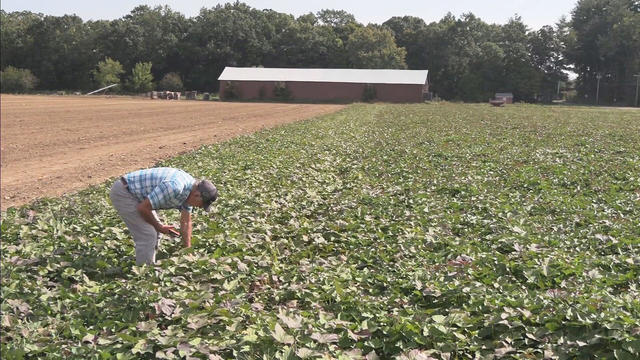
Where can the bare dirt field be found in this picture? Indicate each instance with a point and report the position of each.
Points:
(52, 145)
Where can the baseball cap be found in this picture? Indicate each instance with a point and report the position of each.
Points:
(208, 192)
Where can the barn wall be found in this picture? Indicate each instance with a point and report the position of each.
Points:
(320, 91)
(399, 92)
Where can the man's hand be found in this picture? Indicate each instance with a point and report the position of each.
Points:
(169, 230)
(145, 210)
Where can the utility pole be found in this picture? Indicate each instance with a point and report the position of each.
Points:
(598, 76)
(637, 82)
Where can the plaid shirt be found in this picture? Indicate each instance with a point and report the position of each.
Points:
(166, 188)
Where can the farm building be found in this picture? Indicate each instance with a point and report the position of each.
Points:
(506, 97)
(324, 84)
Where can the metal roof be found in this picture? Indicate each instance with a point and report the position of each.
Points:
(367, 76)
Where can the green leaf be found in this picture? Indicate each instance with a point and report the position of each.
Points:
(230, 285)
(623, 355)
(142, 347)
(281, 336)
(325, 338)
(89, 338)
(632, 347)
(147, 325)
(291, 322)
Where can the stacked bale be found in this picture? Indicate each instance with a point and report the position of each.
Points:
(165, 95)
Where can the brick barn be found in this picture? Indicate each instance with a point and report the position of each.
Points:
(506, 97)
(341, 85)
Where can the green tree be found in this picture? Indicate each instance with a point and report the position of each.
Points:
(147, 34)
(484, 76)
(227, 35)
(301, 44)
(520, 75)
(59, 50)
(17, 40)
(309, 18)
(335, 18)
(546, 48)
(335, 27)
(141, 77)
(15, 80)
(463, 57)
(604, 41)
(409, 33)
(108, 72)
(373, 47)
(171, 82)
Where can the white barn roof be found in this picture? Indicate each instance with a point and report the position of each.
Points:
(368, 76)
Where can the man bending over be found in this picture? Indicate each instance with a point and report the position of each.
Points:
(137, 195)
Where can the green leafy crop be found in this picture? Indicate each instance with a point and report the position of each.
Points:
(442, 231)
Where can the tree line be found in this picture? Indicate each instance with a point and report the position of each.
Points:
(468, 59)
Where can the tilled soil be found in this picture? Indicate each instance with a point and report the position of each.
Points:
(52, 145)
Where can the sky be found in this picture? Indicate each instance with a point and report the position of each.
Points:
(534, 13)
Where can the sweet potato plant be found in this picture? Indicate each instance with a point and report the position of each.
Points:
(431, 231)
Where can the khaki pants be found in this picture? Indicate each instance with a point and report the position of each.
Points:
(145, 236)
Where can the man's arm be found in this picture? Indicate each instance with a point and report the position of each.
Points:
(186, 227)
(145, 210)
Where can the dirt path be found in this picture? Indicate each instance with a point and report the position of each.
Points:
(53, 145)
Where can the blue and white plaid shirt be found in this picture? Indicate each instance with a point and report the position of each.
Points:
(166, 188)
